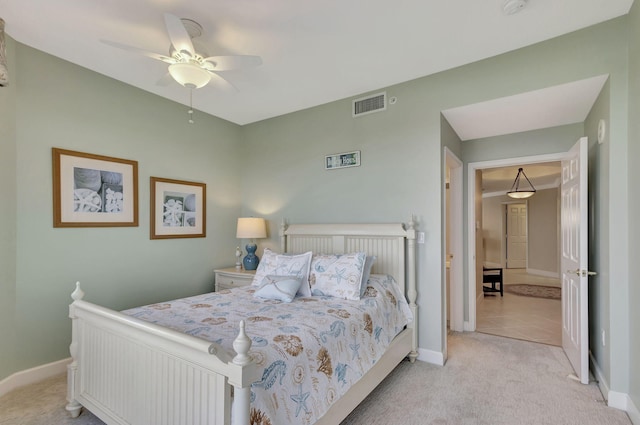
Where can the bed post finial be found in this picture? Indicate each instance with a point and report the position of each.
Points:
(241, 345)
(78, 294)
(73, 407)
(242, 394)
(283, 238)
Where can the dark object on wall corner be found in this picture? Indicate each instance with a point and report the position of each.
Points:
(4, 71)
(493, 277)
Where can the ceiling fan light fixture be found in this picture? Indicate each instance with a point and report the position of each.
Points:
(509, 7)
(521, 193)
(189, 75)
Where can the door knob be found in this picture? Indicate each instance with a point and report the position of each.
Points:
(582, 273)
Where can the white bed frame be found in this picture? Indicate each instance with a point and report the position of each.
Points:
(127, 371)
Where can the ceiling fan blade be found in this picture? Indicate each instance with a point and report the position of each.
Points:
(165, 80)
(143, 52)
(228, 63)
(221, 82)
(178, 34)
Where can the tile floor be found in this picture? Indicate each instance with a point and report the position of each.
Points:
(527, 318)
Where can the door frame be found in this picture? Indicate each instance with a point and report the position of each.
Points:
(456, 240)
(470, 324)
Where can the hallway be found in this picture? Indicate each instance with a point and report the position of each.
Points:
(520, 317)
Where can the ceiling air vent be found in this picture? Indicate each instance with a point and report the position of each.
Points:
(370, 104)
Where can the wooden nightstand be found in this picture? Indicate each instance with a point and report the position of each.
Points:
(232, 278)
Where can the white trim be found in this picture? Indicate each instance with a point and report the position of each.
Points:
(467, 327)
(543, 273)
(33, 375)
(471, 214)
(618, 400)
(599, 375)
(456, 239)
(615, 399)
(430, 356)
(633, 412)
(492, 265)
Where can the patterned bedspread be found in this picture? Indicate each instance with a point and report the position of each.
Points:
(309, 352)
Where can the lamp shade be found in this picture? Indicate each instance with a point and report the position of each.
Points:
(189, 75)
(251, 228)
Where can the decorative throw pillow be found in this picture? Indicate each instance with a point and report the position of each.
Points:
(282, 288)
(266, 266)
(298, 266)
(368, 263)
(337, 276)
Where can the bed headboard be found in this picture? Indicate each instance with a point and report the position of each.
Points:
(393, 245)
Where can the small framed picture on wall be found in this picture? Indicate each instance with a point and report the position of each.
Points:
(178, 209)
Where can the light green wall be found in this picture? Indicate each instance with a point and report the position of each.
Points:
(528, 143)
(634, 203)
(62, 105)
(277, 171)
(401, 148)
(8, 211)
(600, 284)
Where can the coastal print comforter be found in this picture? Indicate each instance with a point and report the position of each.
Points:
(309, 352)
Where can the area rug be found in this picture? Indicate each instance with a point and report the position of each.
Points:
(537, 291)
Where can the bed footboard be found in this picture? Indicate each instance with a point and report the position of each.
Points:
(127, 371)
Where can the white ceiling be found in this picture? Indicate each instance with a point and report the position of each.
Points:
(314, 52)
(549, 107)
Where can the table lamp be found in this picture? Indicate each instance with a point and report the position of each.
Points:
(251, 228)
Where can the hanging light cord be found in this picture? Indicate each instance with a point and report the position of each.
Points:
(190, 112)
(516, 182)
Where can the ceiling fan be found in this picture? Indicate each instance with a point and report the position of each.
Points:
(188, 67)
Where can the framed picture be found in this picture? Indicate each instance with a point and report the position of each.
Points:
(94, 190)
(342, 160)
(178, 209)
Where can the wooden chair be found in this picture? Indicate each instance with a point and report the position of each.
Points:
(492, 277)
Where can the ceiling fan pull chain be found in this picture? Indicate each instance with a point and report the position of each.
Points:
(190, 112)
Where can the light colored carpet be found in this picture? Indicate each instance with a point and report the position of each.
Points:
(488, 380)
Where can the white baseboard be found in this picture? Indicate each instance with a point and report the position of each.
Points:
(430, 356)
(544, 273)
(30, 376)
(599, 375)
(633, 412)
(622, 401)
(615, 399)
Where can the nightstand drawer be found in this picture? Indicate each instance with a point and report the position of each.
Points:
(231, 278)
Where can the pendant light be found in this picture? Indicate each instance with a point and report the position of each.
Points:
(521, 193)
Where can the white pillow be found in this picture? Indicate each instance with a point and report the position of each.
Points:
(266, 266)
(298, 266)
(368, 263)
(337, 276)
(282, 288)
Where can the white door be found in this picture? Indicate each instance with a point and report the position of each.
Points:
(574, 264)
(516, 236)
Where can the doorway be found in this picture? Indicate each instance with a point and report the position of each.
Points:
(526, 248)
(476, 295)
(453, 312)
(574, 249)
